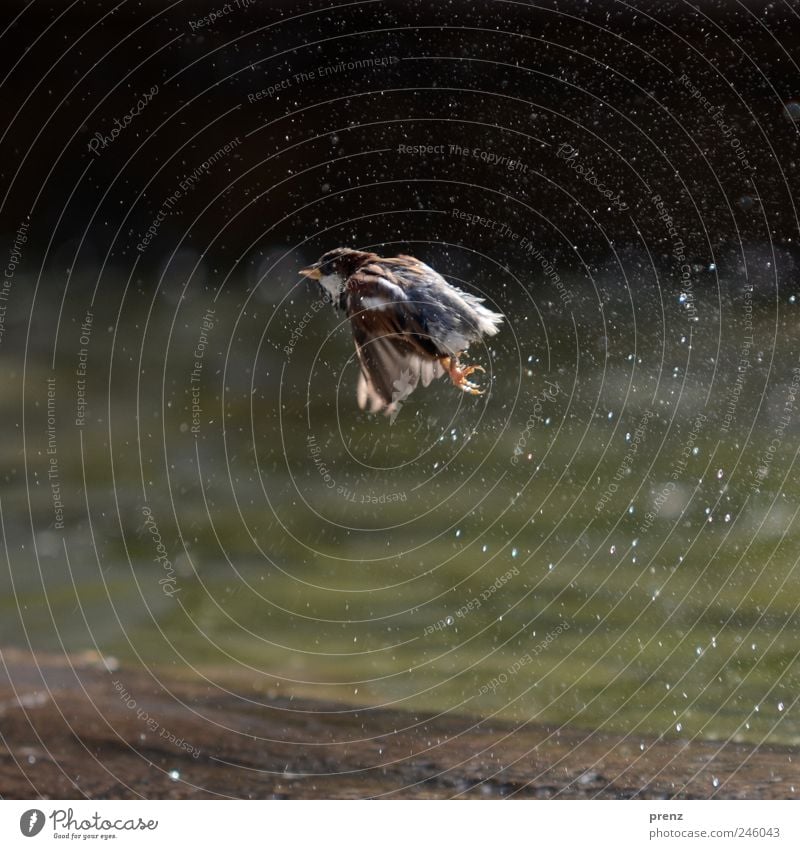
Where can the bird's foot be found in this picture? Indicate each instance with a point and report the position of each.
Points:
(459, 375)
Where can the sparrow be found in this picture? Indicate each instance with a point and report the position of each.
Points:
(409, 324)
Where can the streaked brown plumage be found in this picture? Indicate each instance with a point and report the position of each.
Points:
(409, 324)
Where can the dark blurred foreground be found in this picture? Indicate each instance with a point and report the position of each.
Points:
(252, 744)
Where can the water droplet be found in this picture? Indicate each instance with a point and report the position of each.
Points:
(514, 552)
(715, 782)
(679, 727)
(792, 108)
(781, 706)
(174, 774)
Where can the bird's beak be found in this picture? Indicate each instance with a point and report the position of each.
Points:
(312, 271)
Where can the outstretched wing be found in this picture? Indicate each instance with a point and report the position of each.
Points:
(389, 374)
(395, 350)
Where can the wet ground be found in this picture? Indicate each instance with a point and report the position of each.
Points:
(71, 727)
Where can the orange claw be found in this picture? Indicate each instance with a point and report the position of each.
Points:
(459, 376)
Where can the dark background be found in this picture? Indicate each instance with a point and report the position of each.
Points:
(504, 76)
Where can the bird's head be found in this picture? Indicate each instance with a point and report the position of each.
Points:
(334, 267)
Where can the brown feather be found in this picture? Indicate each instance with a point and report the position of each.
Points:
(394, 349)
(407, 321)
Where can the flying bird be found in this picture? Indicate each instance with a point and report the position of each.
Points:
(409, 324)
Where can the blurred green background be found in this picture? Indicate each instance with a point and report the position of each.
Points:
(442, 556)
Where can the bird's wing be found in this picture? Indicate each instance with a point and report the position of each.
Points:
(389, 375)
(393, 346)
(456, 317)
